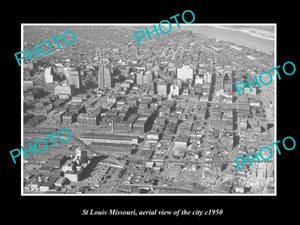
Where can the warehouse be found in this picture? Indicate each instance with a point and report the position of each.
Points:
(108, 138)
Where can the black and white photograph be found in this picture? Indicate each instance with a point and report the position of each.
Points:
(171, 114)
(160, 117)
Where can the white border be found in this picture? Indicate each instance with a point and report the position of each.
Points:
(143, 24)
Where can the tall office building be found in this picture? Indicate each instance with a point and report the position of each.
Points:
(139, 77)
(149, 76)
(48, 75)
(74, 78)
(145, 80)
(104, 77)
(207, 77)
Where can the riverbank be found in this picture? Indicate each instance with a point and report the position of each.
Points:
(254, 31)
(249, 36)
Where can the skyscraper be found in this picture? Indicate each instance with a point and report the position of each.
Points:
(139, 77)
(74, 78)
(104, 77)
(48, 75)
(207, 77)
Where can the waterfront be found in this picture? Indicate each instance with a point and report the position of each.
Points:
(234, 36)
(156, 119)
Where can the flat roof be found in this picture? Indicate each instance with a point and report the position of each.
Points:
(107, 136)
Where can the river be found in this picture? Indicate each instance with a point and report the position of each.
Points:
(234, 36)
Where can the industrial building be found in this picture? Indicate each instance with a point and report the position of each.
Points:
(88, 138)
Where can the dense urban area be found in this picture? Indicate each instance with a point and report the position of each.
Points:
(162, 117)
